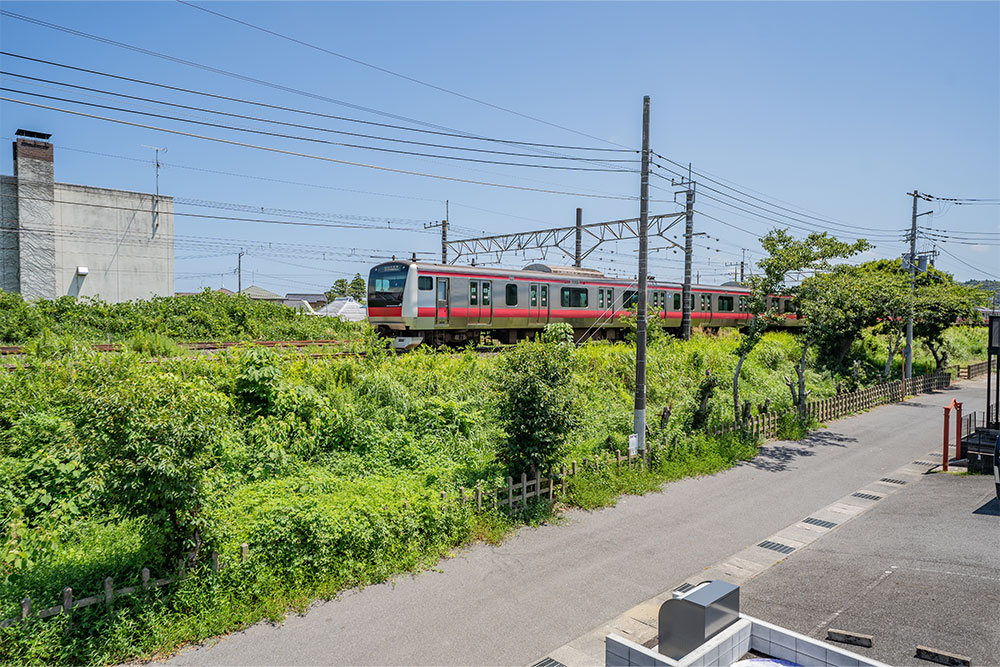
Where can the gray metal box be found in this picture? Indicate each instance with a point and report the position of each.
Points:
(687, 622)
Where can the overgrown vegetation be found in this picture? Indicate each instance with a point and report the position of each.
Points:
(332, 470)
(204, 316)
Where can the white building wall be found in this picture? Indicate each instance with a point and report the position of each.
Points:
(49, 231)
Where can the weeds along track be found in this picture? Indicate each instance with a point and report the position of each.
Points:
(200, 345)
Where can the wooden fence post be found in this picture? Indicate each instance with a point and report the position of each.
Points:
(215, 560)
(524, 489)
(461, 495)
(109, 589)
(510, 493)
(562, 470)
(244, 552)
(479, 496)
(550, 485)
(574, 468)
(145, 577)
(67, 600)
(25, 609)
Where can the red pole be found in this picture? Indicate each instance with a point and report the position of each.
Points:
(958, 430)
(944, 447)
(902, 389)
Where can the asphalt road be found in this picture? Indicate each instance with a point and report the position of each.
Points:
(546, 586)
(921, 567)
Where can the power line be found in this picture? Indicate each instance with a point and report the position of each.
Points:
(963, 262)
(396, 74)
(298, 125)
(282, 135)
(440, 129)
(315, 157)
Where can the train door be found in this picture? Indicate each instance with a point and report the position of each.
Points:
(442, 310)
(485, 302)
(538, 297)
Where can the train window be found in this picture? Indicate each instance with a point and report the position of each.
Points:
(600, 297)
(725, 304)
(743, 304)
(630, 298)
(534, 295)
(706, 302)
(677, 301)
(789, 307)
(611, 299)
(511, 293)
(486, 294)
(425, 283)
(774, 304)
(573, 297)
(545, 296)
(473, 294)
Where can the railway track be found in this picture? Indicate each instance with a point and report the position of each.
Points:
(200, 345)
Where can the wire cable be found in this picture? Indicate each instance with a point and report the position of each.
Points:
(392, 73)
(281, 135)
(316, 157)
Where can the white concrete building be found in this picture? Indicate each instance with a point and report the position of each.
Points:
(59, 239)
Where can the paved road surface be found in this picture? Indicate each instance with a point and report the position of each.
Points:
(544, 587)
(921, 567)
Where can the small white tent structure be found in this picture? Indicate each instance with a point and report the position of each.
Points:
(344, 307)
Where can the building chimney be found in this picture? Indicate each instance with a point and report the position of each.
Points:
(36, 239)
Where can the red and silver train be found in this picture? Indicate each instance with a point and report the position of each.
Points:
(438, 304)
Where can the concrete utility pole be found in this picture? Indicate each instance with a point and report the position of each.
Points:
(579, 238)
(912, 260)
(239, 271)
(640, 331)
(688, 257)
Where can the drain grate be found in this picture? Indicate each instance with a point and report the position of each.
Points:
(684, 588)
(925, 463)
(890, 480)
(548, 662)
(777, 546)
(867, 496)
(819, 522)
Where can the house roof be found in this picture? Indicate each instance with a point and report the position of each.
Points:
(255, 292)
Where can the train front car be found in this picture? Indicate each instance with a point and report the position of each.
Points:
(392, 297)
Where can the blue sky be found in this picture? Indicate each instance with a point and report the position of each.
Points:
(833, 110)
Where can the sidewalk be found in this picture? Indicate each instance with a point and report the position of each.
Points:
(516, 603)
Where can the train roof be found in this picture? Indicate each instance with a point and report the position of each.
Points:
(550, 273)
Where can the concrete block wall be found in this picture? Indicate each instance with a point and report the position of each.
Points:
(733, 643)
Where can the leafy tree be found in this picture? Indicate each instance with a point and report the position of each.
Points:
(836, 306)
(534, 400)
(339, 288)
(784, 255)
(358, 289)
(940, 303)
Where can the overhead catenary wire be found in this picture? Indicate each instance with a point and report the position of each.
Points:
(392, 73)
(301, 125)
(317, 140)
(316, 157)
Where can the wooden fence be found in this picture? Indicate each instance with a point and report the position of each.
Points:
(109, 594)
(553, 483)
(973, 370)
(765, 424)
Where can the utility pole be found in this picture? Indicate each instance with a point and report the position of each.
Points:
(156, 200)
(743, 263)
(578, 261)
(688, 257)
(640, 331)
(239, 271)
(444, 233)
(912, 260)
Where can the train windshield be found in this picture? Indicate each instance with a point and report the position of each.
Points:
(385, 285)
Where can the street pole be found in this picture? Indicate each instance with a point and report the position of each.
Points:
(444, 234)
(688, 256)
(579, 238)
(640, 329)
(239, 272)
(908, 364)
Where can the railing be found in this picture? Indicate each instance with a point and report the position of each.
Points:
(972, 371)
